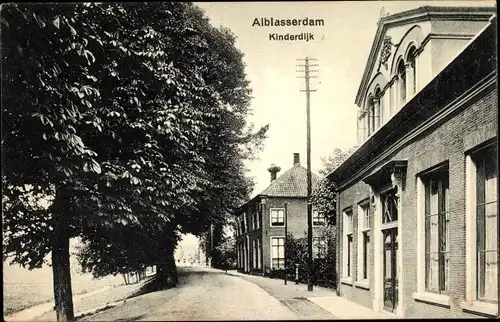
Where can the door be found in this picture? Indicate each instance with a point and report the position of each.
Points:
(390, 269)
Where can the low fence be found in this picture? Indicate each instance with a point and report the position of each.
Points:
(323, 273)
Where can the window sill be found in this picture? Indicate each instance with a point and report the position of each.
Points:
(346, 280)
(364, 284)
(431, 298)
(480, 308)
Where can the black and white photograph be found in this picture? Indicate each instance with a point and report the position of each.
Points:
(267, 160)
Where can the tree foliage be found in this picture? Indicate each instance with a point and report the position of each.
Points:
(47, 95)
(123, 124)
(324, 271)
(323, 196)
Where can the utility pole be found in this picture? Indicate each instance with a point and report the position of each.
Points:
(308, 91)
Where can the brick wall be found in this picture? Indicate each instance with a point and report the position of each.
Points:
(297, 223)
(444, 142)
(350, 199)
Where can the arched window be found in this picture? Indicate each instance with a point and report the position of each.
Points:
(377, 107)
(402, 81)
(413, 70)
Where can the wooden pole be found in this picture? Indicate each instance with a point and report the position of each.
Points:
(308, 91)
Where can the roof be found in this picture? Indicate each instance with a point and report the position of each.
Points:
(476, 64)
(413, 16)
(292, 183)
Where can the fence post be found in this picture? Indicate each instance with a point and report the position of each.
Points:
(296, 273)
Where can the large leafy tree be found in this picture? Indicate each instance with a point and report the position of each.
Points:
(200, 89)
(126, 124)
(48, 171)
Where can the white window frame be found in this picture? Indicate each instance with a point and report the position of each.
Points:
(271, 249)
(271, 217)
(259, 254)
(254, 254)
(324, 218)
(363, 227)
(471, 302)
(421, 294)
(347, 276)
(436, 176)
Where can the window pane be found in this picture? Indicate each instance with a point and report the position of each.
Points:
(349, 254)
(432, 272)
(367, 216)
(490, 184)
(275, 252)
(278, 252)
(433, 204)
(490, 229)
(446, 257)
(366, 245)
(432, 238)
(277, 217)
(487, 233)
(488, 275)
(281, 252)
(389, 207)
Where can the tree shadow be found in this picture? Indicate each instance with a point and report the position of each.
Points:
(154, 284)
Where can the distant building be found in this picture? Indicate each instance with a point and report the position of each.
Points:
(260, 231)
(417, 201)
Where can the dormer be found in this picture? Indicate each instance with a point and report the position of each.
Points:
(409, 49)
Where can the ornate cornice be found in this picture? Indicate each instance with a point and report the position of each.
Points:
(413, 16)
(485, 84)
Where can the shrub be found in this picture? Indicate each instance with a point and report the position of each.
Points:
(324, 272)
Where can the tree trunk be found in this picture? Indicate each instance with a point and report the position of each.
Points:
(166, 271)
(63, 296)
(172, 268)
(161, 273)
(125, 278)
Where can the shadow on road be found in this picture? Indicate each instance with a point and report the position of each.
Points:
(154, 284)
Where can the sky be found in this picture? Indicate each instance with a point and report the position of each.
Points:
(341, 48)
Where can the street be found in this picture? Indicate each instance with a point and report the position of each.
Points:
(206, 294)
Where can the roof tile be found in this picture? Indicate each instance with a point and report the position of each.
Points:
(292, 183)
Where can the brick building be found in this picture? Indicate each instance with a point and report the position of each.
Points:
(261, 221)
(417, 200)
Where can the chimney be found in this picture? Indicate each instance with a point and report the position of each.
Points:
(274, 169)
(296, 159)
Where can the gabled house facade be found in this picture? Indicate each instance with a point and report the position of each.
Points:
(417, 200)
(260, 229)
